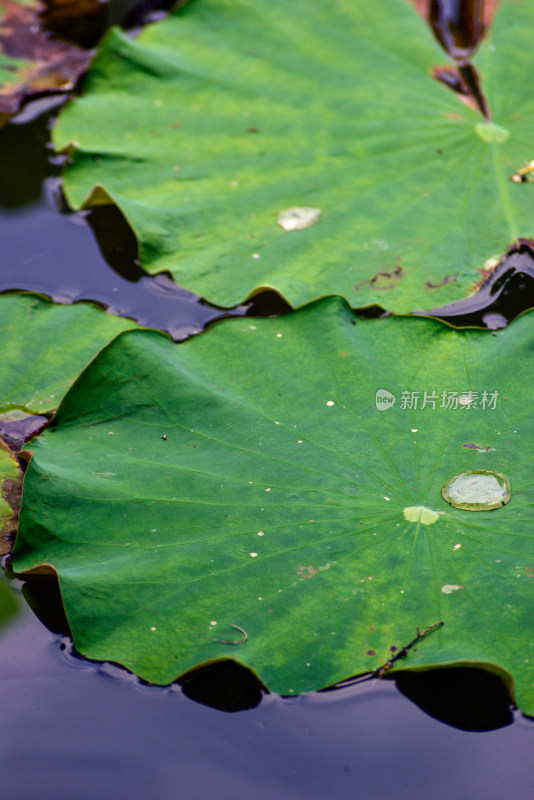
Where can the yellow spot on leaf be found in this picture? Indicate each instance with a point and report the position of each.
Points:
(420, 514)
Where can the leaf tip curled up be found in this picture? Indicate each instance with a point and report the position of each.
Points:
(97, 196)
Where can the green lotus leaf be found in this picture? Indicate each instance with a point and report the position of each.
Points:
(305, 146)
(44, 348)
(8, 603)
(270, 491)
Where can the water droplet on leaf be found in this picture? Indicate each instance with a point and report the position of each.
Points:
(477, 490)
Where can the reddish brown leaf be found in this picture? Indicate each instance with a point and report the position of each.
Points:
(45, 65)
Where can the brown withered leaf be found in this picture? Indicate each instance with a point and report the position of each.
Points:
(32, 61)
(10, 497)
(80, 22)
(16, 428)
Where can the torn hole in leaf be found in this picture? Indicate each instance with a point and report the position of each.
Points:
(451, 78)
(505, 290)
(458, 26)
(464, 82)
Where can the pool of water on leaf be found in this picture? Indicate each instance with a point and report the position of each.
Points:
(75, 728)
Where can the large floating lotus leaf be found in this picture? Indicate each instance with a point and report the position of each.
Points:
(248, 478)
(45, 347)
(231, 111)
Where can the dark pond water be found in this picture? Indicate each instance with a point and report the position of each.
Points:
(72, 729)
(77, 729)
